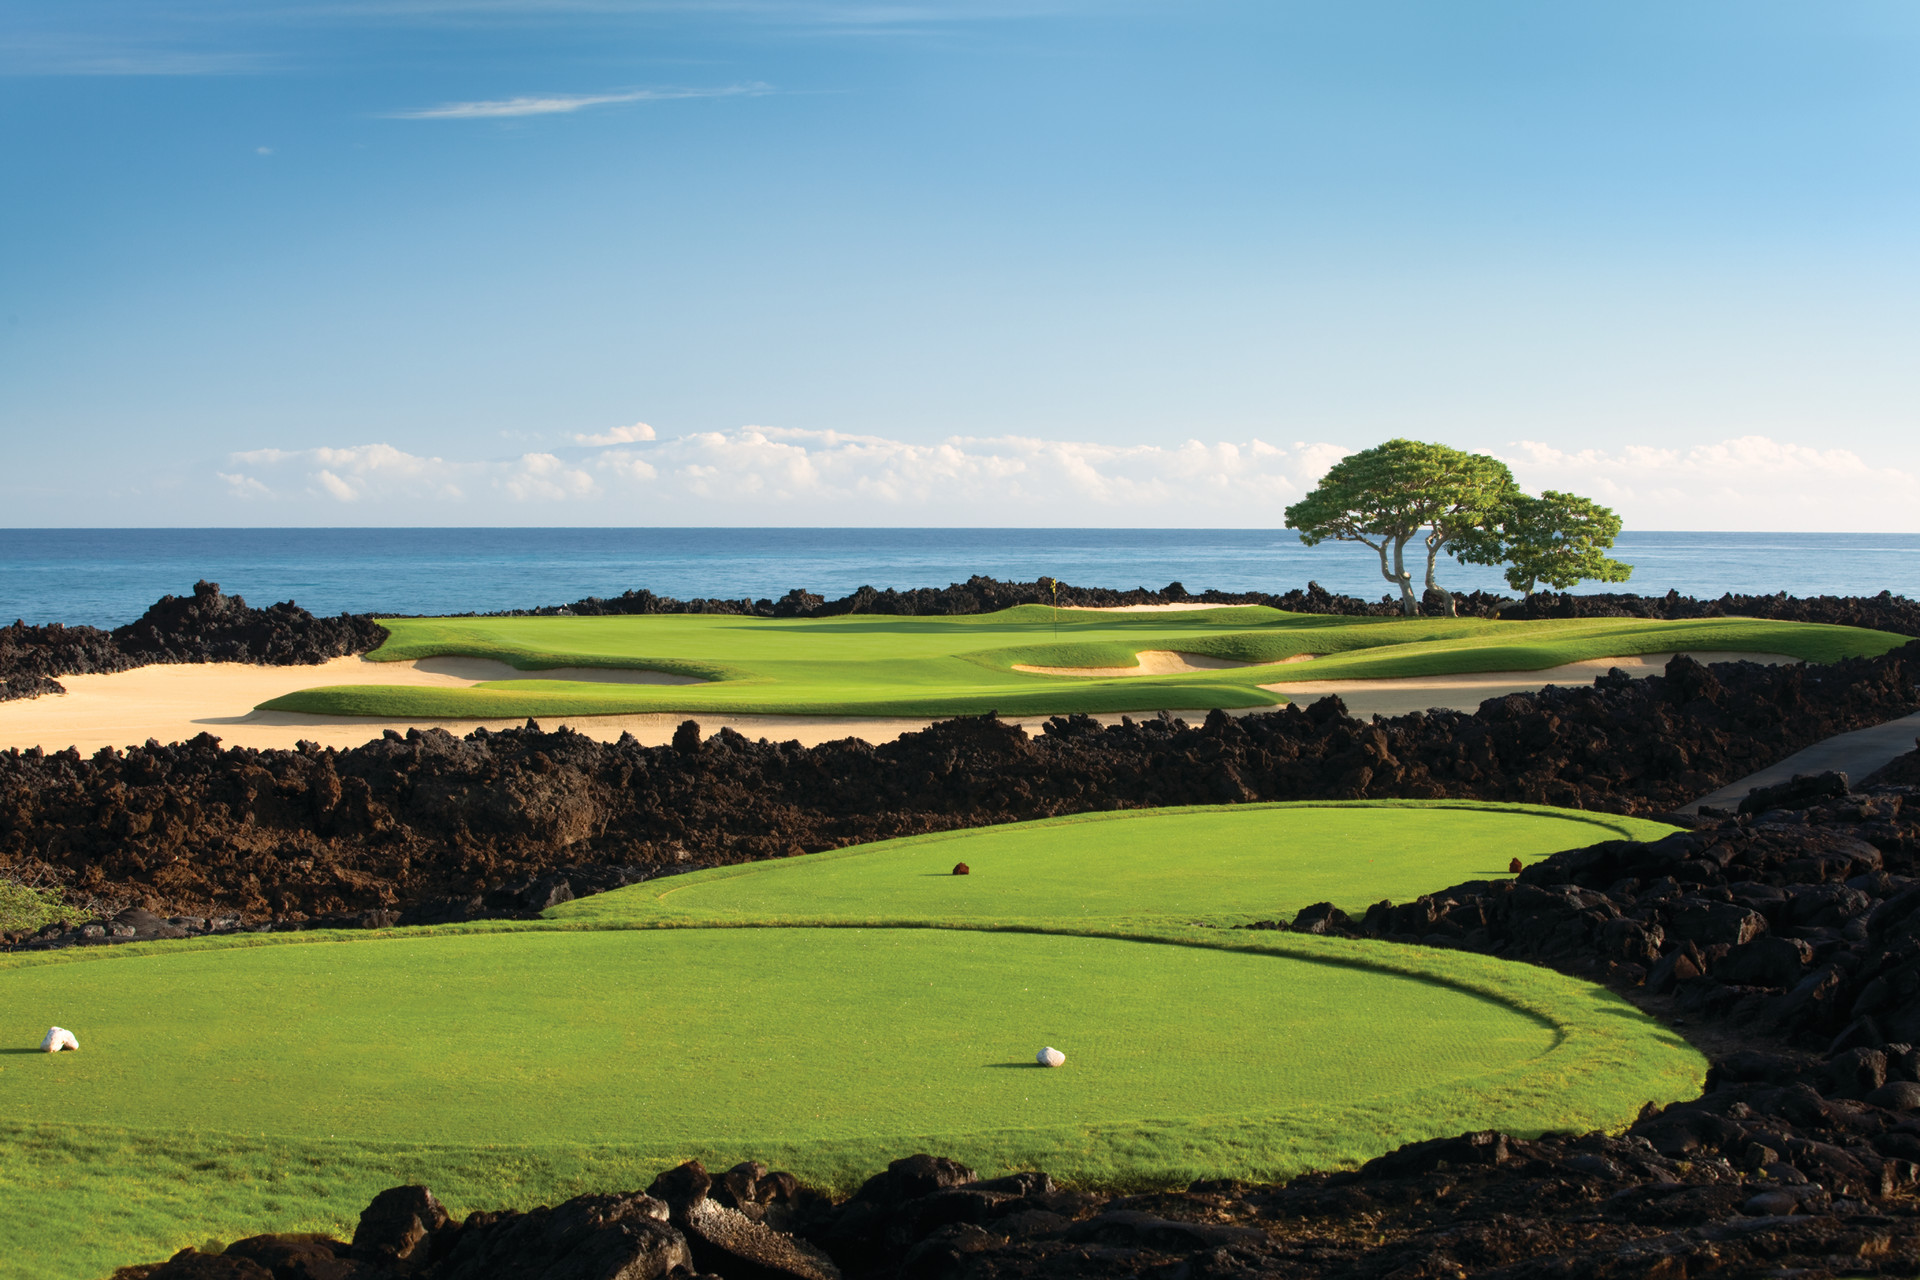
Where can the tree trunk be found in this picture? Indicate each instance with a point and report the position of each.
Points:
(1433, 554)
(1400, 577)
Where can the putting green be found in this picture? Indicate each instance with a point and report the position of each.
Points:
(233, 1085)
(717, 1037)
(1224, 864)
(928, 666)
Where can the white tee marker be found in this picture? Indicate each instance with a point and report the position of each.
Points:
(1050, 1057)
(59, 1038)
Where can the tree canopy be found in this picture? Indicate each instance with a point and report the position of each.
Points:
(1389, 495)
(1557, 539)
(1466, 504)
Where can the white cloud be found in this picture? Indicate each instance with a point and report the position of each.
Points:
(634, 434)
(370, 473)
(774, 475)
(567, 103)
(543, 477)
(1742, 483)
(626, 465)
(771, 475)
(243, 486)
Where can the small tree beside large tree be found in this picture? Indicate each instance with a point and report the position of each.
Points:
(1466, 504)
(1557, 539)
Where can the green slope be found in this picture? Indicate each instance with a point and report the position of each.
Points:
(254, 1082)
(883, 666)
(1227, 865)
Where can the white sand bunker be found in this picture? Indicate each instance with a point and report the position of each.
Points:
(1186, 607)
(1156, 662)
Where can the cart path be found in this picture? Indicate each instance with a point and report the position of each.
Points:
(1855, 754)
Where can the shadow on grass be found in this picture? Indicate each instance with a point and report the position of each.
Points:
(1014, 1066)
(7, 1052)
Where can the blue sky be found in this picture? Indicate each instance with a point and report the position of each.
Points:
(438, 261)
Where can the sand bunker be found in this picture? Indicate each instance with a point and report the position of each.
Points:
(1150, 608)
(177, 701)
(1153, 662)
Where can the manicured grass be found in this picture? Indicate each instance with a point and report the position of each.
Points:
(928, 666)
(1227, 865)
(537, 1061)
(254, 1082)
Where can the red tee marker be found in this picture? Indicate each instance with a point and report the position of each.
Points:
(962, 869)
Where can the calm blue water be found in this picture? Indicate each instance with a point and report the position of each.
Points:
(109, 576)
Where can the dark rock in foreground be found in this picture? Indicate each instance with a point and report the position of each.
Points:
(436, 828)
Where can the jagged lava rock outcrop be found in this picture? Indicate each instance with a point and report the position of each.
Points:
(194, 829)
(204, 627)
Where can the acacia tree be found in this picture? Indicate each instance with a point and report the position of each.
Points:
(1388, 496)
(1557, 539)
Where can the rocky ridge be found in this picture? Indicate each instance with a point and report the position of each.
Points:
(429, 823)
(204, 627)
(1785, 938)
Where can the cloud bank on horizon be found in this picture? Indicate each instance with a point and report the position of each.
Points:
(754, 475)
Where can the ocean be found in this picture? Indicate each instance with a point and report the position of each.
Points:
(109, 576)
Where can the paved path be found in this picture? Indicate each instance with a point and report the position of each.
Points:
(1855, 754)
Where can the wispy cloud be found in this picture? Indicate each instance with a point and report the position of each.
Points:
(634, 434)
(774, 475)
(382, 473)
(771, 474)
(82, 54)
(563, 104)
(1745, 482)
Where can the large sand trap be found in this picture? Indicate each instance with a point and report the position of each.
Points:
(174, 703)
(1151, 608)
(1153, 662)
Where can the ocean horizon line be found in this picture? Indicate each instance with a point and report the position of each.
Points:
(854, 528)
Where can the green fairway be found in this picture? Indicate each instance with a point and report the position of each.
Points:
(1226, 865)
(930, 666)
(233, 1085)
(719, 1038)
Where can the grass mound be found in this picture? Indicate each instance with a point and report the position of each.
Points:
(230, 1085)
(1226, 865)
(932, 666)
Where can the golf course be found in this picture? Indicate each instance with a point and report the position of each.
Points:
(824, 1013)
(1028, 660)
